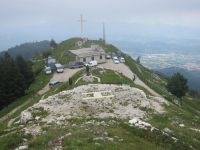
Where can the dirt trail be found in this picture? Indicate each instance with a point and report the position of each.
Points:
(125, 70)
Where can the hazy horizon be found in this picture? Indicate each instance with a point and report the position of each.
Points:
(131, 20)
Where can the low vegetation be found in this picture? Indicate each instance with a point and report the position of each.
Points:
(154, 81)
(111, 133)
(177, 85)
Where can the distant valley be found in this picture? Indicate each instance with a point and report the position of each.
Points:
(168, 57)
(193, 76)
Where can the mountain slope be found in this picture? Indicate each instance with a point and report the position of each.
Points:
(64, 117)
(28, 50)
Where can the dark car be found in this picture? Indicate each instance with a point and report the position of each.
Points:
(53, 83)
(76, 65)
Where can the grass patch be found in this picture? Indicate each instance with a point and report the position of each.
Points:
(39, 112)
(154, 81)
(175, 116)
(11, 141)
(111, 77)
(155, 137)
(45, 141)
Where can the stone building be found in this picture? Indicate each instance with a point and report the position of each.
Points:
(95, 52)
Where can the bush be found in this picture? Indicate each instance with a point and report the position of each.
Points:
(70, 81)
(177, 85)
(87, 70)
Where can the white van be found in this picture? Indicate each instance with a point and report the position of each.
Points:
(48, 70)
(122, 60)
(91, 63)
(59, 68)
(115, 60)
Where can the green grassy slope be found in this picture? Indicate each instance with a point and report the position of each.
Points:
(62, 54)
(133, 137)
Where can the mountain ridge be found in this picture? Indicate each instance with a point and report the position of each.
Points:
(27, 50)
(175, 128)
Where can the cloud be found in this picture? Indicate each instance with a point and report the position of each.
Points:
(44, 16)
(95, 10)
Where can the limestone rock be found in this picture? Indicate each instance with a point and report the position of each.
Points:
(22, 147)
(25, 116)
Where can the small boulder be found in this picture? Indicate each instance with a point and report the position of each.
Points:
(37, 118)
(110, 139)
(181, 125)
(134, 121)
(22, 147)
(167, 130)
(25, 117)
(105, 133)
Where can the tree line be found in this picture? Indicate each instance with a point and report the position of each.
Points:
(27, 50)
(15, 77)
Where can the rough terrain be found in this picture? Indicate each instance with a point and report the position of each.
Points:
(122, 68)
(92, 101)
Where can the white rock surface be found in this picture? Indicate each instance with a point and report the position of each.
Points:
(22, 147)
(167, 130)
(37, 118)
(126, 102)
(139, 123)
(33, 130)
(181, 125)
(25, 116)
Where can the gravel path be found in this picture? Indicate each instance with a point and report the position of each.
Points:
(62, 77)
(125, 70)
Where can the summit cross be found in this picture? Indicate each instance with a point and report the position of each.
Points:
(81, 21)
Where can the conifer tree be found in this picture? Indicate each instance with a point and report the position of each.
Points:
(177, 85)
(53, 44)
(12, 82)
(25, 69)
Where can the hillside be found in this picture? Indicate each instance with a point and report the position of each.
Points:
(28, 50)
(191, 75)
(107, 111)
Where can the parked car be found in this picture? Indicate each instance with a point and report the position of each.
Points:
(115, 60)
(91, 63)
(59, 68)
(122, 60)
(48, 70)
(54, 83)
(76, 65)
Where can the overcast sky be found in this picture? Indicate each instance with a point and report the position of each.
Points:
(30, 20)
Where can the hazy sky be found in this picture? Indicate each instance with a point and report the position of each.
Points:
(29, 20)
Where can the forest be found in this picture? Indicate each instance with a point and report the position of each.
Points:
(15, 77)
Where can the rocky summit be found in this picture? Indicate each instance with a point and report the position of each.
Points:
(92, 101)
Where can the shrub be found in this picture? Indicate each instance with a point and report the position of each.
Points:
(177, 85)
(70, 81)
